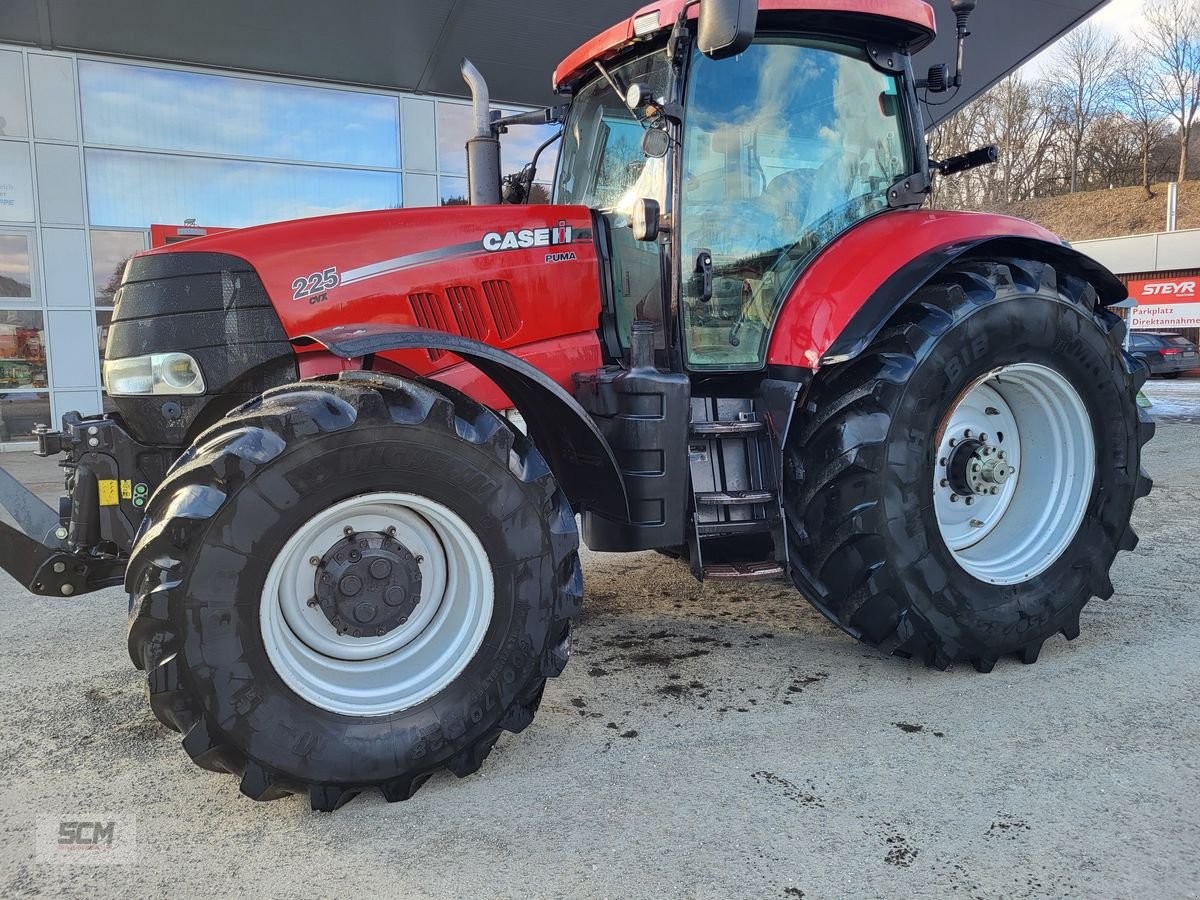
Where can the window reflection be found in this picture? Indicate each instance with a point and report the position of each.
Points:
(22, 349)
(20, 411)
(453, 191)
(16, 281)
(131, 190)
(518, 146)
(110, 251)
(12, 96)
(454, 129)
(167, 109)
(103, 321)
(16, 182)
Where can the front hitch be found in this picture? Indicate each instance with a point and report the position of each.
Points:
(85, 545)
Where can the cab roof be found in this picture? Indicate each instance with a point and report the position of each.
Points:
(914, 17)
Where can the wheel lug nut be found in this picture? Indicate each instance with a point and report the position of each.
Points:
(945, 482)
(347, 530)
(983, 437)
(970, 501)
(954, 498)
(953, 442)
(314, 560)
(391, 529)
(942, 461)
(995, 491)
(967, 433)
(312, 601)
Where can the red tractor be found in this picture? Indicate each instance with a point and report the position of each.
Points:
(734, 337)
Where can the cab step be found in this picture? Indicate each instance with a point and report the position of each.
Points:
(734, 498)
(755, 571)
(726, 429)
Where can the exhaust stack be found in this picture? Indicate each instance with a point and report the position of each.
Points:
(483, 150)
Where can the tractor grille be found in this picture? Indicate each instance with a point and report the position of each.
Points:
(503, 307)
(467, 312)
(427, 309)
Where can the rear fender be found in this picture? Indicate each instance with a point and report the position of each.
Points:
(857, 284)
(564, 433)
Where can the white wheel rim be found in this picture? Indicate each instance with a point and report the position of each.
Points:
(376, 674)
(1007, 529)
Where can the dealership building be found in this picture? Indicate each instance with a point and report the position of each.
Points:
(124, 125)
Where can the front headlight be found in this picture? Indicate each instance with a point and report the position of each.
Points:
(156, 373)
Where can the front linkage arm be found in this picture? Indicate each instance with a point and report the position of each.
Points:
(84, 546)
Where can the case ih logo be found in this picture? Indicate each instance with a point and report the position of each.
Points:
(1169, 289)
(527, 238)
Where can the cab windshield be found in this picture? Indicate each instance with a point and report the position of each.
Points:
(786, 146)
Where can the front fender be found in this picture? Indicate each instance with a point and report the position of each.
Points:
(858, 282)
(566, 435)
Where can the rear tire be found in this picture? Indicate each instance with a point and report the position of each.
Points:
(212, 619)
(864, 466)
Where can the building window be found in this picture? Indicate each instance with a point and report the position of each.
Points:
(16, 267)
(517, 146)
(132, 190)
(103, 321)
(22, 349)
(20, 411)
(453, 191)
(16, 182)
(110, 251)
(222, 115)
(12, 96)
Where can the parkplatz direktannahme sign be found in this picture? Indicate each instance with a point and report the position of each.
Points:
(1165, 303)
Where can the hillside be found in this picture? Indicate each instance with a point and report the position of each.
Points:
(1113, 213)
(10, 287)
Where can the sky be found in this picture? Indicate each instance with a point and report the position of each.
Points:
(1119, 17)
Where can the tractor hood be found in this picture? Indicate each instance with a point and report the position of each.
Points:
(521, 278)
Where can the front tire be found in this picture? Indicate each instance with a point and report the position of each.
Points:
(887, 439)
(350, 585)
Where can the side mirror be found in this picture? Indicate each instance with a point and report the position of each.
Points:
(726, 27)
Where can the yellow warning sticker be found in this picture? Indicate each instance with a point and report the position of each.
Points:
(126, 489)
(108, 492)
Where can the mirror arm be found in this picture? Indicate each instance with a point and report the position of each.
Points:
(612, 80)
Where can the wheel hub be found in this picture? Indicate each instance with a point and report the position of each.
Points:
(976, 467)
(367, 584)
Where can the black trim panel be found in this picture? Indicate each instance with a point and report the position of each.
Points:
(565, 434)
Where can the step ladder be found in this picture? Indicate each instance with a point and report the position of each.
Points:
(734, 488)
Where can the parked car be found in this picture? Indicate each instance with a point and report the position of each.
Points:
(1166, 354)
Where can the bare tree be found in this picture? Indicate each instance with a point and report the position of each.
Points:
(1018, 117)
(1135, 100)
(1083, 81)
(1170, 42)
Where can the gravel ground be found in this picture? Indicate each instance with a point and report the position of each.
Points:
(715, 741)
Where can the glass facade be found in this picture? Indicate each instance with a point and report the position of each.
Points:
(94, 151)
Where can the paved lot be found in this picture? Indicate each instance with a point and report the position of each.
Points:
(706, 741)
(1175, 400)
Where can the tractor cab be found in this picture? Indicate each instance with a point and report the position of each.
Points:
(725, 149)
